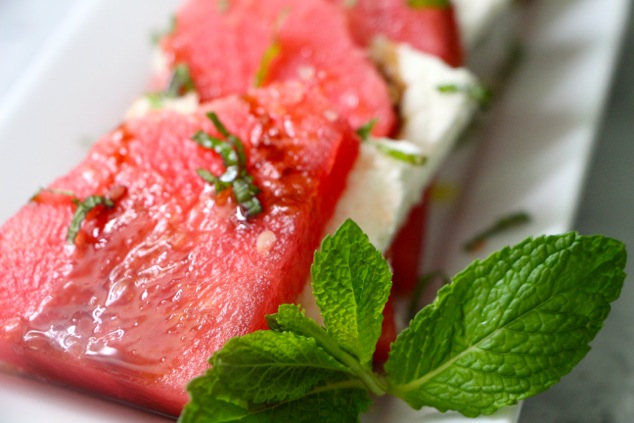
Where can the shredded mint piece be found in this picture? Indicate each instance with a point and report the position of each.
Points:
(365, 130)
(508, 327)
(428, 3)
(476, 92)
(261, 76)
(181, 82)
(64, 192)
(351, 283)
(234, 158)
(402, 155)
(83, 207)
(504, 224)
(156, 100)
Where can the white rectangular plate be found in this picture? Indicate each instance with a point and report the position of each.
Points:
(531, 154)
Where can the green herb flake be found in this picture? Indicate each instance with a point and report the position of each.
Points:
(365, 130)
(506, 223)
(83, 208)
(269, 55)
(506, 328)
(64, 192)
(476, 92)
(402, 155)
(156, 100)
(181, 82)
(232, 152)
(428, 3)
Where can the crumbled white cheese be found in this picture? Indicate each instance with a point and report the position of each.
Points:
(265, 241)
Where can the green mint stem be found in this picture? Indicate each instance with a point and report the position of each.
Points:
(370, 379)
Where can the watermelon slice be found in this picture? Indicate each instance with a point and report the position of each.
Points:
(155, 284)
(429, 29)
(236, 46)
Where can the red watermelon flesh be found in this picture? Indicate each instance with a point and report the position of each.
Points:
(432, 30)
(156, 284)
(224, 50)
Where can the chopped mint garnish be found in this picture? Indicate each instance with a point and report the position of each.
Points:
(506, 328)
(476, 92)
(393, 151)
(272, 51)
(232, 153)
(83, 207)
(261, 76)
(365, 130)
(428, 3)
(504, 224)
(181, 82)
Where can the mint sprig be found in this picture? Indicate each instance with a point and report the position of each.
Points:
(506, 328)
(231, 151)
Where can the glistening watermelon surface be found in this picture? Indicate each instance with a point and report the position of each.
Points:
(153, 286)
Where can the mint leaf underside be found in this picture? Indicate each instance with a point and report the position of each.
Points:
(274, 366)
(326, 403)
(508, 327)
(351, 283)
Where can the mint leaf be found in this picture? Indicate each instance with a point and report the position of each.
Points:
(292, 318)
(212, 403)
(508, 327)
(269, 366)
(351, 283)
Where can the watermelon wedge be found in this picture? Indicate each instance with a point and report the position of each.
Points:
(232, 46)
(153, 285)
